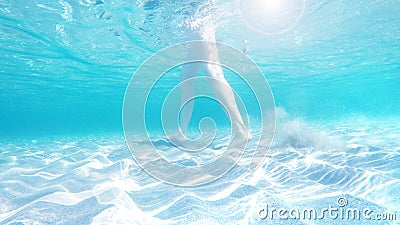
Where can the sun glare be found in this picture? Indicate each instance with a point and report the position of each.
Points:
(271, 17)
(270, 5)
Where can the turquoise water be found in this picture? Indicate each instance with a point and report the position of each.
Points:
(65, 65)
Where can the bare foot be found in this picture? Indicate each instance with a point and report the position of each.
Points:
(177, 138)
(240, 139)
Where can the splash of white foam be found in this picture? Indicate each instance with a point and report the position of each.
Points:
(67, 15)
(299, 134)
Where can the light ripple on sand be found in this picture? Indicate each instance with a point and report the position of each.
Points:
(304, 173)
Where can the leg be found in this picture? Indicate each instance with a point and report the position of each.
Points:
(189, 70)
(224, 94)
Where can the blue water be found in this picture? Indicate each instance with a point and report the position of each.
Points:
(65, 65)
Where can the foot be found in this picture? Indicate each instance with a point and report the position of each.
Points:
(177, 138)
(241, 138)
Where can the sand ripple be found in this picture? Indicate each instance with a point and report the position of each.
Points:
(94, 180)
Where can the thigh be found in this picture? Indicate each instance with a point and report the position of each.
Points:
(189, 70)
(214, 71)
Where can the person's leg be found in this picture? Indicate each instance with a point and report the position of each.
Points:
(189, 71)
(225, 94)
